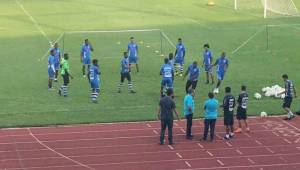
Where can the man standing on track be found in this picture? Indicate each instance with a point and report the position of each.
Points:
(189, 109)
(165, 114)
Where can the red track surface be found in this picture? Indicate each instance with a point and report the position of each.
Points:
(273, 144)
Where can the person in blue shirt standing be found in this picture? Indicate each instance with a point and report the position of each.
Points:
(189, 109)
(210, 116)
(85, 55)
(133, 50)
(179, 57)
(207, 63)
(57, 56)
(222, 64)
(193, 71)
(125, 74)
(94, 79)
(51, 69)
(167, 73)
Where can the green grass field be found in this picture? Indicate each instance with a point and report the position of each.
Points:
(25, 100)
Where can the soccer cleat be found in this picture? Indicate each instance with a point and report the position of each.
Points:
(84, 76)
(180, 74)
(238, 130)
(231, 135)
(226, 137)
(216, 91)
(55, 80)
(59, 92)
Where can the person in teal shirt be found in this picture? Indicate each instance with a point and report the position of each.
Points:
(210, 116)
(189, 108)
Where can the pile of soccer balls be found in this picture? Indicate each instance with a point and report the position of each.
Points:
(273, 91)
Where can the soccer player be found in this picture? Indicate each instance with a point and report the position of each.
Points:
(57, 56)
(222, 64)
(132, 51)
(167, 73)
(207, 62)
(85, 55)
(171, 62)
(125, 74)
(193, 71)
(289, 92)
(228, 107)
(241, 113)
(189, 109)
(65, 73)
(51, 69)
(179, 57)
(94, 79)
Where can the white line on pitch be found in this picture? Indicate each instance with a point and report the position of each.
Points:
(188, 164)
(178, 154)
(220, 162)
(209, 153)
(251, 161)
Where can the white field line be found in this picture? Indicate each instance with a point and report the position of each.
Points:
(60, 154)
(168, 39)
(47, 53)
(282, 25)
(247, 41)
(111, 31)
(37, 25)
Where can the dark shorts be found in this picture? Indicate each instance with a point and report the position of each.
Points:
(228, 119)
(125, 76)
(287, 101)
(241, 114)
(66, 79)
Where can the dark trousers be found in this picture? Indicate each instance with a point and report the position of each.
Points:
(189, 123)
(190, 83)
(164, 124)
(209, 124)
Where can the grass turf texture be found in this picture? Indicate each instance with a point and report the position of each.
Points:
(25, 100)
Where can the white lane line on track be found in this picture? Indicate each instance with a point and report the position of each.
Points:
(229, 144)
(178, 154)
(251, 161)
(270, 150)
(201, 146)
(188, 164)
(171, 147)
(220, 162)
(154, 131)
(239, 152)
(209, 153)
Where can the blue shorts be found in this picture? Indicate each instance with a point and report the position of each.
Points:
(51, 73)
(179, 61)
(208, 68)
(95, 84)
(133, 60)
(220, 75)
(57, 66)
(167, 82)
(86, 61)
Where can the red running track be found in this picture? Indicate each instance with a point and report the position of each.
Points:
(272, 144)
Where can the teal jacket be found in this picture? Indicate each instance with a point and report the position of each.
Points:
(211, 109)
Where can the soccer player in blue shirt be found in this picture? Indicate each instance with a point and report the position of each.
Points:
(193, 71)
(94, 79)
(189, 109)
(289, 92)
(125, 74)
(167, 73)
(51, 69)
(132, 51)
(222, 64)
(179, 57)
(207, 63)
(85, 55)
(57, 56)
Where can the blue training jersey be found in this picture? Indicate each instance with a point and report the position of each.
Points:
(51, 62)
(289, 88)
(180, 51)
(166, 71)
(57, 55)
(125, 65)
(207, 57)
(86, 51)
(194, 72)
(222, 64)
(132, 50)
(94, 73)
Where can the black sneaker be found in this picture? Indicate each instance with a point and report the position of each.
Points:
(132, 91)
(189, 137)
(171, 143)
(226, 137)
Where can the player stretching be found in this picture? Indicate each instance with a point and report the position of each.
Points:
(125, 73)
(228, 107)
(179, 57)
(65, 73)
(207, 62)
(94, 79)
(241, 113)
(167, 73)
(51, 69)
(132, 51)
(57, 56)
(222, 64)
(194, 72)
(289, 92)
(85, 55)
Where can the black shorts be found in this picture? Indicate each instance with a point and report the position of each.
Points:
(287, 101)
(125, 76)
(66, 79)
(228, 119)
(241, 114)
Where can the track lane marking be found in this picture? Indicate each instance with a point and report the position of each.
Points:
(220, 162)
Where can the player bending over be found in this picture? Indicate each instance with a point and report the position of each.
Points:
(193, 71)
(167, 73)
(241, 113)
(65, 73)
(289, 92)
(94, 79)
(222, 64)
(85, 55)
(207, 63)
(228, 107)
(179, 57)
(132, 51)
(125, 74)
(51, 69)
(57, 56)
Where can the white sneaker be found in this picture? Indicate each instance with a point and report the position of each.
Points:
(216, 90)
(84, 76)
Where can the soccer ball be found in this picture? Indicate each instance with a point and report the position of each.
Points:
(263, 114)
(257, 96)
